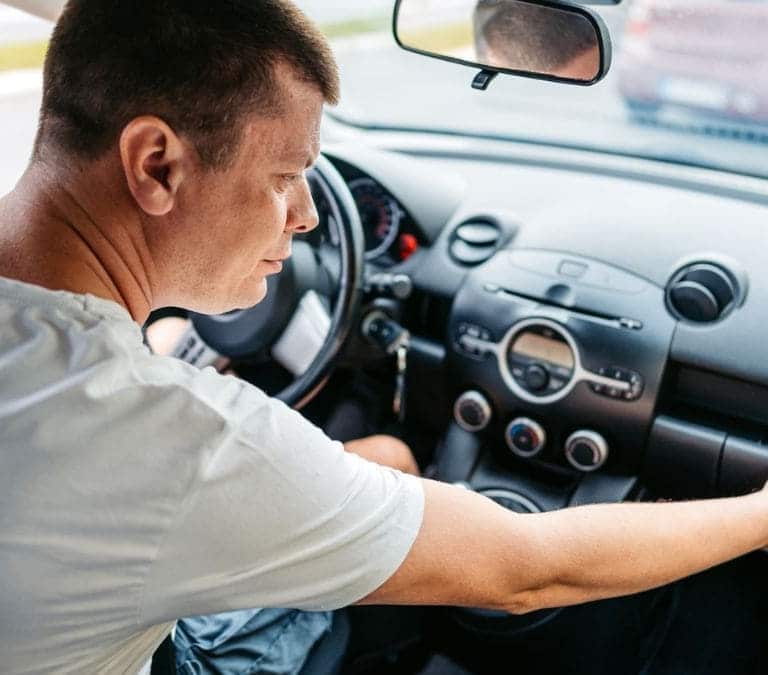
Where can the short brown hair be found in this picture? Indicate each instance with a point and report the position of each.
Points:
(534, 37)
(200, 65)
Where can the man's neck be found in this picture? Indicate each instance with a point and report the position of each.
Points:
(78, 235)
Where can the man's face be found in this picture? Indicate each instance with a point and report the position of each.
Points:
(240, 221)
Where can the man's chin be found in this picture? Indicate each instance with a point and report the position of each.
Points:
(252, 297)
(244, 300)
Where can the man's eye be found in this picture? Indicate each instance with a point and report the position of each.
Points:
(289, 179)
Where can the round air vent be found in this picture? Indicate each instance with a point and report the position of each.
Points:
(702, 293)
(474, 242)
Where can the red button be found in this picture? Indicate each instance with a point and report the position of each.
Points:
(408, 246)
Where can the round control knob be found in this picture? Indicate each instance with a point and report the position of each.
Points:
(536, 377)
(525, 437)
(472, 411)
(586, 450)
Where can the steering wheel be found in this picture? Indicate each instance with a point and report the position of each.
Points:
(256, 330)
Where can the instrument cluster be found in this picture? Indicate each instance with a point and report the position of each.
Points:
(390, 235)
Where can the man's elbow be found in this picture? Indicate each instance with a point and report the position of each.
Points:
(549, 596)
(525, 602)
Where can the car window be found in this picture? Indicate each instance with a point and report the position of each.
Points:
(689, 84)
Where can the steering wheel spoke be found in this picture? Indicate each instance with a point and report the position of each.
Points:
(329, 271)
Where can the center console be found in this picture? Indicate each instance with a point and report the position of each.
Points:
(555, 363)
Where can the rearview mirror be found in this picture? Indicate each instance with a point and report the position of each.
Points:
(543, 39)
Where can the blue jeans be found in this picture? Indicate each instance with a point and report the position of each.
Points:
(273, 641)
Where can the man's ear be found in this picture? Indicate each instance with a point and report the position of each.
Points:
(155, 162)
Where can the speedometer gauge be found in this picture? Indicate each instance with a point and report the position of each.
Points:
(380, 215)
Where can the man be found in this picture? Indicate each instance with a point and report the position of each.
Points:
(134, 490)
(521, 36)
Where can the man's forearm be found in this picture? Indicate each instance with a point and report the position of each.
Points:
(601, 551)
(472, 552)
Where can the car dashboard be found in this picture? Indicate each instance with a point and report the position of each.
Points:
(581, 331)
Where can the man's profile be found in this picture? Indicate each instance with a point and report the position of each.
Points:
(536, 38)
(170, 171)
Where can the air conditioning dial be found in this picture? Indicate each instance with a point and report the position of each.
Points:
(586, 450)
(472, 411)
(525, 437)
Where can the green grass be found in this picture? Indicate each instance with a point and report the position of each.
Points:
(372, 24)
(23, 55)
(440, 39)
(32, 54)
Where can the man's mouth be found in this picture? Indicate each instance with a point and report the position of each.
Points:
(280, 258)
(276, 264)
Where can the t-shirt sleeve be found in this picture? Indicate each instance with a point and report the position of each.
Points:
(278, 515)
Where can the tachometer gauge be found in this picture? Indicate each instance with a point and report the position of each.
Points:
(380, 215)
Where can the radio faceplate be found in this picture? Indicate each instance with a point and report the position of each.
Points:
(540, 362)
(596, 364)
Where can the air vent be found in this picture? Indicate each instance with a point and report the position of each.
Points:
(474, 242)
(702, 293)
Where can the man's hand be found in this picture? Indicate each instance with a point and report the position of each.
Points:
(387, 451)
(164, 334)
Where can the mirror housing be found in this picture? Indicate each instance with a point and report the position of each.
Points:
(542, 39)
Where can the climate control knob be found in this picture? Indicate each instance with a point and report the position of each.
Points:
(586, 450)
(472, 411)
(525, 437)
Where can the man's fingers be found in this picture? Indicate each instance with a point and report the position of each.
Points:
(164, 334)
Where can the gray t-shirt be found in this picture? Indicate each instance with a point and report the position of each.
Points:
(135, 490)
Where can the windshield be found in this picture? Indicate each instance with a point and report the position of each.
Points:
(689, 83)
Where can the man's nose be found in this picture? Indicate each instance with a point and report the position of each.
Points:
(302, 213)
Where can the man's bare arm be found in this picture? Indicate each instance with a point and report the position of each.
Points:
(472, 552)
